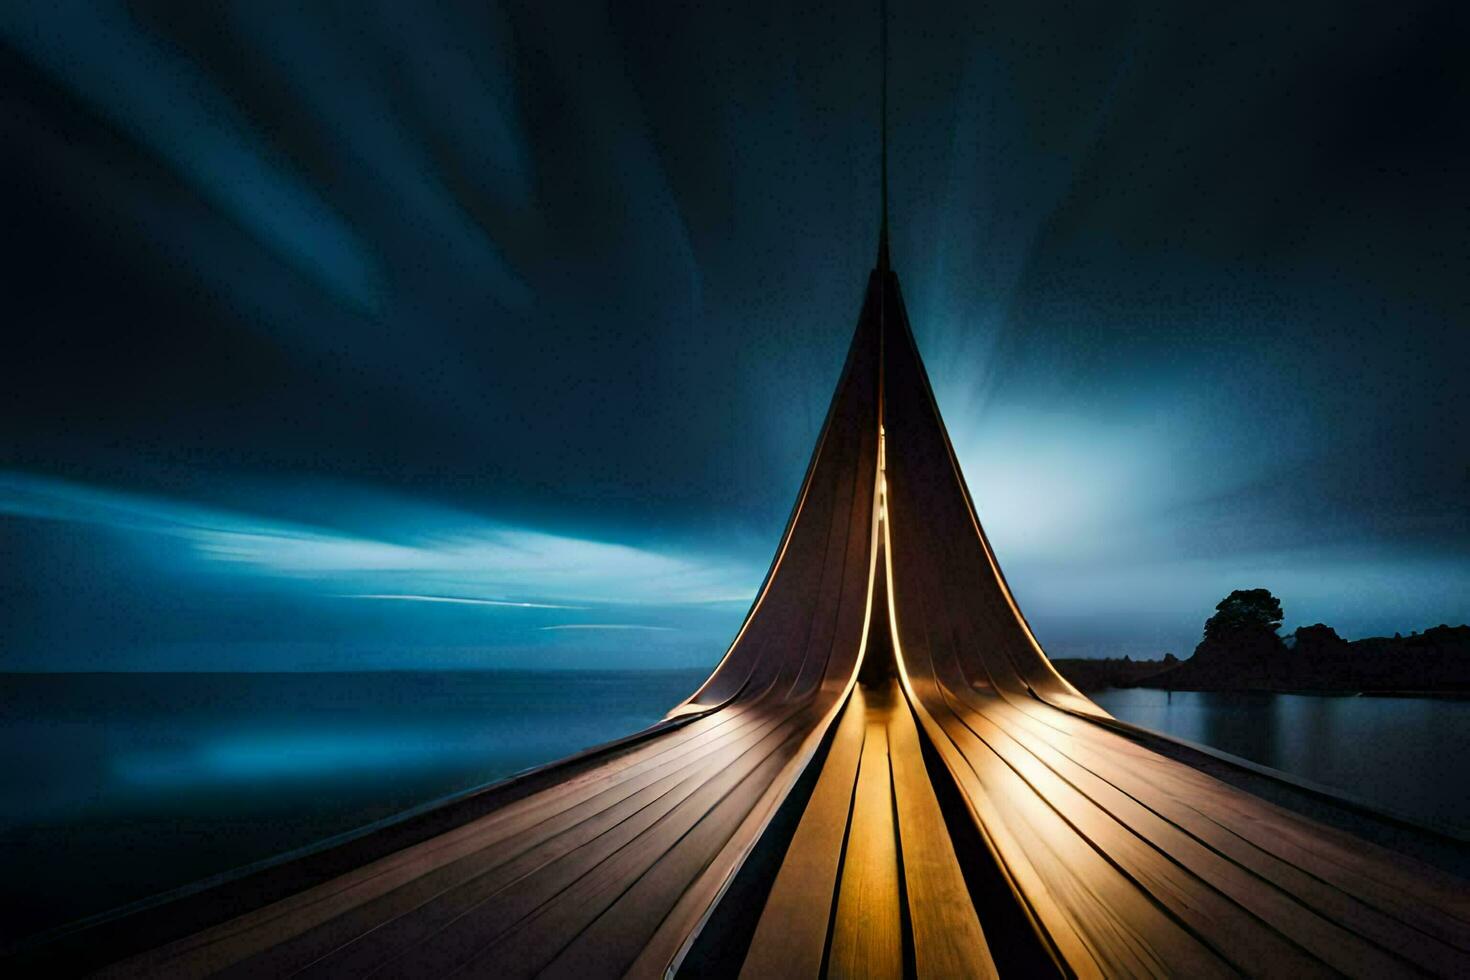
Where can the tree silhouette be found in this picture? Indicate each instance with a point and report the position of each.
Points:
(1244, 611)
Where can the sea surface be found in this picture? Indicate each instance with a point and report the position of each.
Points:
(1410, 756)
(114, 787)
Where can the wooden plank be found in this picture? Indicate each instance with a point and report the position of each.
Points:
(1188, 884)
(527, 949)
(1320, 865)
(830, 684)
(394, 917)
(452, 929)
(1027, 882)
(948, 939)
(625, 930)
(1123, 931)
(867, 935)
(1154, 812)
(791, 936)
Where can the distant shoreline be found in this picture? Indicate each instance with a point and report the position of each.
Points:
(1432, 664)
(1114, 674)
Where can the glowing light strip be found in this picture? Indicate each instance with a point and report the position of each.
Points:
(947, 750)
(770, 802)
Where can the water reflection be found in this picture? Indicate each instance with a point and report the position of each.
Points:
(117, 786)
(255, 757)
(1406, 754)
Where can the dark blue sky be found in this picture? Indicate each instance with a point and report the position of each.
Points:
(319, 315)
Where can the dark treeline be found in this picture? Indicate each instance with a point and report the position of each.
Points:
(1242, 650)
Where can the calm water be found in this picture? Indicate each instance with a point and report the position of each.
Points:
(117, 786)
(1406, 754)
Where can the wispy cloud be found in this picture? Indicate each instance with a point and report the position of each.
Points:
(457, 600)
(460, 558)
(610, 626)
